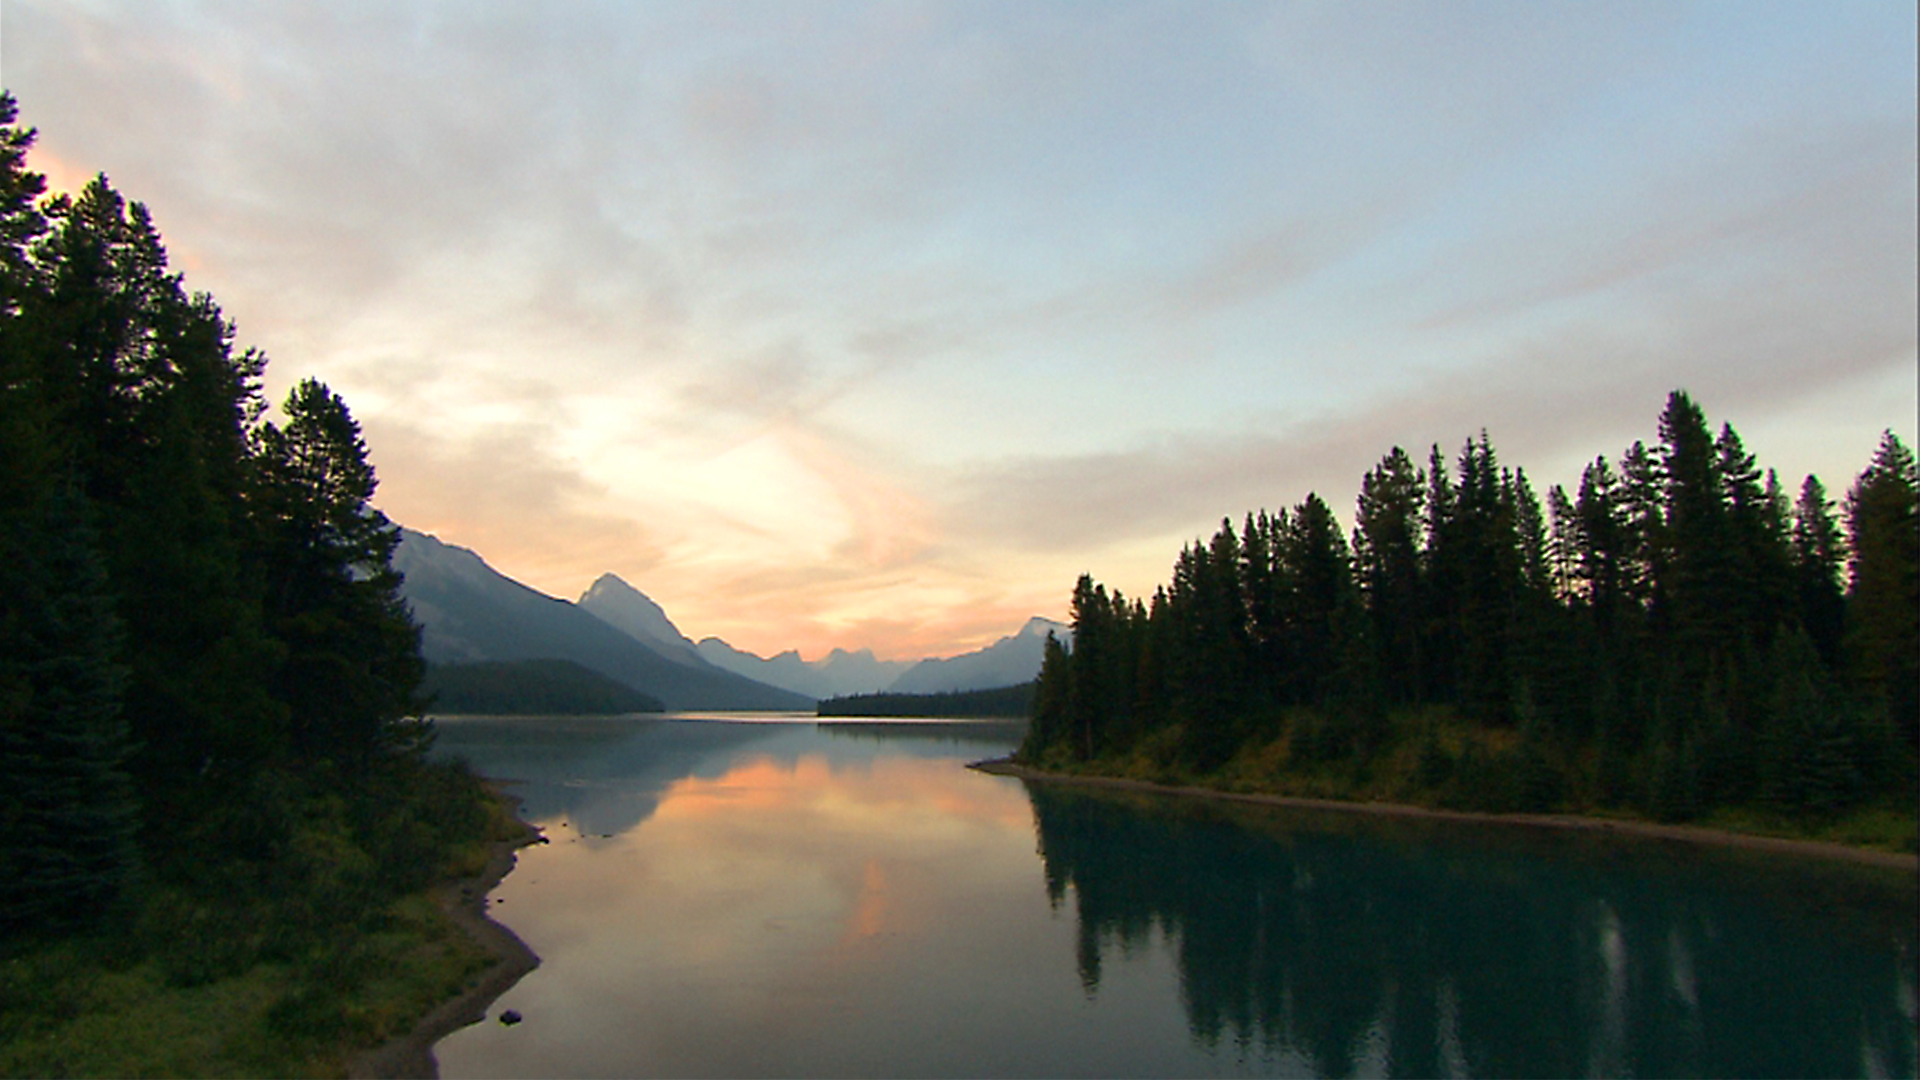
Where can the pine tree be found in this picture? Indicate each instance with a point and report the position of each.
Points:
(1386, 544)
(68, 825)
(1882, 641)
(1441, 575)
(1695, 574)
(1809, 750)
(1819, 560)
(1319, 584)
(145, 406)
(1050, 726)
(352, 668)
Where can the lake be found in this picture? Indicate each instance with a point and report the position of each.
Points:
(789, 898)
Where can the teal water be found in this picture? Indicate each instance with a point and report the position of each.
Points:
(800, 899)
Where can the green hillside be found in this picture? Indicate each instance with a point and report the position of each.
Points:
(531, 688)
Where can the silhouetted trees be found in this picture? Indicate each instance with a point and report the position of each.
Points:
(1674, 635)
(201, 625)
(1012, 702)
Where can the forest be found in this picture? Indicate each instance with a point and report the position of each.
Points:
(530, 688)
(209, 707)
(1679, 638)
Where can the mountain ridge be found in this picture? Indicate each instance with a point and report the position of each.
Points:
(469, 612)
(1012, 659)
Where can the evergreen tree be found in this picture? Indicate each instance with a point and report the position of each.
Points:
(196, 612)
(145, 405)
(1214, 642)
(1441, 580)
(1488, 583)
(1644, 533)
(1809, 750)
(1319, 585)
(352, 667)
(1883, 587)
(1756, 593)
(1819, 560)
(1652, 642)
(1386, 544)
(1694, 579)
(1263, 594)
(1093, 644)
(1051, 723)
(70, 818)
(1563, 546)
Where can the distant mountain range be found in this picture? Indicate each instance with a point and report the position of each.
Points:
(472, 613)
(840, 674)
(1013, 659)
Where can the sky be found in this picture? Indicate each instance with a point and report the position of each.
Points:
(875, 325)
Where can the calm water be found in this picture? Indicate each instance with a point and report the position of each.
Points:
(793, 899)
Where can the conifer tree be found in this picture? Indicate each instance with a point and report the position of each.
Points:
(1819, 561)
(1883, 588)
(1563, 546)
(1051, 722)
(1386, 542)
(352, 666)
(1441, 583)
(68, 825)
(145, 406)
(1319, 580)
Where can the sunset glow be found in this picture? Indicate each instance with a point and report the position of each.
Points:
(876, 325)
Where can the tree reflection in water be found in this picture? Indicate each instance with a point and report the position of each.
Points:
(1431, 950)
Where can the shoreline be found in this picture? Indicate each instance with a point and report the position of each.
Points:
(464, 900)
(1694, 834)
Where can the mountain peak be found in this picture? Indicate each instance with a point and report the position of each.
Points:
(612, 585)
(1040, 627)
(634, 613)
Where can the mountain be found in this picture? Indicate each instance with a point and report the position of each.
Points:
(839, 674)
(469, 612)
(1013, 659)
(633, 612)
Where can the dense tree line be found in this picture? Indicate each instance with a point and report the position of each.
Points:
(1678, 633)
(208, 679)
(1009, 701)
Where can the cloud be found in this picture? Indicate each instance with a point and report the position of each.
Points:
(1550, 401)
(1835, 199)
(502, 492)
(888, 320)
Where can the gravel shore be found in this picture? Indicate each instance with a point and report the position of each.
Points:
(410, 1056)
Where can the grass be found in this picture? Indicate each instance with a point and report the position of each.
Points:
(218, 985)
(1884, 825)
(70, 1011)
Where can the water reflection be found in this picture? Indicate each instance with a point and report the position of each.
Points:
(1397, 949)
(792, 899)
(796, 903)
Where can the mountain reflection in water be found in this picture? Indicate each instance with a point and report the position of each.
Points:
(792, 899)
